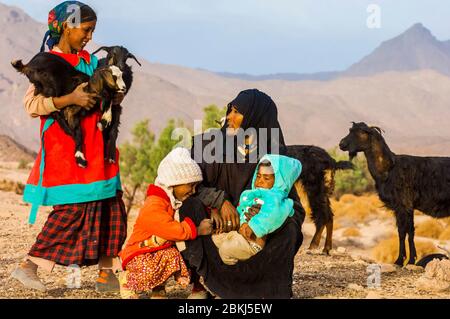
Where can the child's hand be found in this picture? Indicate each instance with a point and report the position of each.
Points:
(205, 227)
(252, 211)
(247, 232)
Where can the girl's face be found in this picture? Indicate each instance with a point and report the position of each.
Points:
(234, 119)
(184, 191)
(77, 38)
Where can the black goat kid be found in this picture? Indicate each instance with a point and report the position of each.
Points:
(404, 183)
(315, 186)
(109, 124)
(53, 76)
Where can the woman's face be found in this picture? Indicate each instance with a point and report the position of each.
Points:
(234, 119)
(79, 37)
(184, 191)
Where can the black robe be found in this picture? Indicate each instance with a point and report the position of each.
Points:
(268, 274)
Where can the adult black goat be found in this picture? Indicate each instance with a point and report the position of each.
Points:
(403, 182)
(109, 124)
(315, 186)
(53, 76)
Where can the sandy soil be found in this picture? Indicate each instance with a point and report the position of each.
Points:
(341, 275)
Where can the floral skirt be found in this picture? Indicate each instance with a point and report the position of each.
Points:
(147, 271)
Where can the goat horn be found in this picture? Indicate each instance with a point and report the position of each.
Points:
(131, 56)
(378, 129)
(107, 49)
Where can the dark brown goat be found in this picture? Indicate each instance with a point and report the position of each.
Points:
(52, 76)
(315, 186)
(404, 183)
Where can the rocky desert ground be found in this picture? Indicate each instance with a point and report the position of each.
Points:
(365, 234)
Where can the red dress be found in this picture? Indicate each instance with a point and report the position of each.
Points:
(89, 217)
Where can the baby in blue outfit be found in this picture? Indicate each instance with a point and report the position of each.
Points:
(266, 206)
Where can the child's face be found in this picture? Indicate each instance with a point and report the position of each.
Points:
(184, 191)
(264, 180)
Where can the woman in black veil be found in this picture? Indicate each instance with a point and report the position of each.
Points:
(228, 160)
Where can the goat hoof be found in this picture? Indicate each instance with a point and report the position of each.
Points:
(82, 164)
(399, 263)
(80, 159)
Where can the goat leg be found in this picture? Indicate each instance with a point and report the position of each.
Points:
(113, 133)
(106, 119)
(329, 240)
(402, 228)
(316, 238)
(63, 124)
(79, 155)
(412, 246)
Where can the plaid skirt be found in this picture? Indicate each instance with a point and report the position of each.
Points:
(79, 234)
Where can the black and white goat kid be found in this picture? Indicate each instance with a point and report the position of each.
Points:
(110, 121)
(53, 76)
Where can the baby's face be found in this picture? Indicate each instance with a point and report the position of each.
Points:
(264, 180)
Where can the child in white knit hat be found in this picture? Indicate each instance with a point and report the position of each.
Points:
(150, 257)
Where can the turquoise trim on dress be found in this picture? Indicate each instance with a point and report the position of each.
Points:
(73, 193)
(40, 192)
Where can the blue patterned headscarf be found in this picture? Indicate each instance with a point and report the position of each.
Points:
(60, 14)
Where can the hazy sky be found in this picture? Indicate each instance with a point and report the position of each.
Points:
(254, 36)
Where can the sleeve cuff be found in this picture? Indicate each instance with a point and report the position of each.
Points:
(192, 226)
(50, 105)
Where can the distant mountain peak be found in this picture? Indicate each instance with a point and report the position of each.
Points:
(414, 49)
(417, 32)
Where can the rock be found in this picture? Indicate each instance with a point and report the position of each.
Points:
(426, 284)
(436, 277)
(387, 268)
(341, 250)
(414, 268)
(355, 287)
(314, 252)
(360, 262)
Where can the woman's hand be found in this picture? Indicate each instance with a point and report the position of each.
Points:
(217, 219)
(230, 216)
(118, 98)
(205, 227)
(81, 98)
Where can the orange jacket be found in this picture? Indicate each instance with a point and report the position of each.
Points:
(155, 227)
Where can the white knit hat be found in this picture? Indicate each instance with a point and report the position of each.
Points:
(178, 168)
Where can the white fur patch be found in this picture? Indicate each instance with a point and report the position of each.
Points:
(107, 116)
(80, 155)
(119, 80)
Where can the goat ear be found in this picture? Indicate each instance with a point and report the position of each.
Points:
(107, 49)
(131, 56)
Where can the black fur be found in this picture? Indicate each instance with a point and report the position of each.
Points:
(118, 56)
(315, 163)
(403, 182)
(53, 76)
(427, 259)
